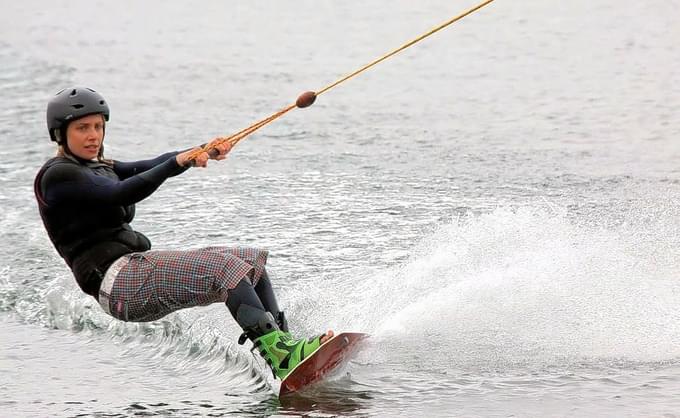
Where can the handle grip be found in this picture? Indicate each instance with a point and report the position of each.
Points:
(212, 152)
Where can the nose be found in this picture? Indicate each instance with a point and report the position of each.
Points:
(92, 134)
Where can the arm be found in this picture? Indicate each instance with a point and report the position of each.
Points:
(68, 182)
(129, 169)
(71, 182)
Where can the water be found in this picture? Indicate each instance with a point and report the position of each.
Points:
(498, 205)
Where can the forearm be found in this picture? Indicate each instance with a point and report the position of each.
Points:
(132, 168)
(158, 174)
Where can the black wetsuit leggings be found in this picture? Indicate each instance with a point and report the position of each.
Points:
(260, 296)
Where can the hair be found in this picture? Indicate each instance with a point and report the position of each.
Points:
(62, 146)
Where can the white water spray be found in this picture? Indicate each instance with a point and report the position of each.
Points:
(531, 286)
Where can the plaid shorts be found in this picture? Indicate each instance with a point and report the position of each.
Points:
(146, 286)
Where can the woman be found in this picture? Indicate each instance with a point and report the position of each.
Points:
(87, 202)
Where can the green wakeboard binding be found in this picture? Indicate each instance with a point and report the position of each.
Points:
(283, 353)
(280, 350)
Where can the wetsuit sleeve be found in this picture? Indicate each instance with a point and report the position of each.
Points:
(129, 169)
(68, 182)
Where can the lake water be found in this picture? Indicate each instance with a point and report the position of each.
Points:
(498, 205)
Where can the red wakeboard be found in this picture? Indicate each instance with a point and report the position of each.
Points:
(327, 358)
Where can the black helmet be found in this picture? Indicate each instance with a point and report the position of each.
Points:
(73, 103)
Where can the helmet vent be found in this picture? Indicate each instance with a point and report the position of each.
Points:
(73, 92)
(101, 102)
(77, 106)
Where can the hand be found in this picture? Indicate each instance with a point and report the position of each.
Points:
(219, 152)
(222, 151)
(201, 160)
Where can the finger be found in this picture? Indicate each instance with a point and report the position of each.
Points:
(224, 148)
(202, 159)
(185, 161)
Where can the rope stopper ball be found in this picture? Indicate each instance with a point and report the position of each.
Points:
(306, 99)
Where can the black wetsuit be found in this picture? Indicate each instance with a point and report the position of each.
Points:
(87, 206)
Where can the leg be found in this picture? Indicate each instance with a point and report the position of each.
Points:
(266, 294)
(155, 283)
(282, 352)
(247, 309)
(255, 257)
(258, 258)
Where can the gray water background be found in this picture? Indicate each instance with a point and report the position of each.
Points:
(497, 205)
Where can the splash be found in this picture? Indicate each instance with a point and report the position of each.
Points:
(533, 286)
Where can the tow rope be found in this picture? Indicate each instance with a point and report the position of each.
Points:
(307, 98)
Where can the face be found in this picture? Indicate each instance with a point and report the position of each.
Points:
(84, 136)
